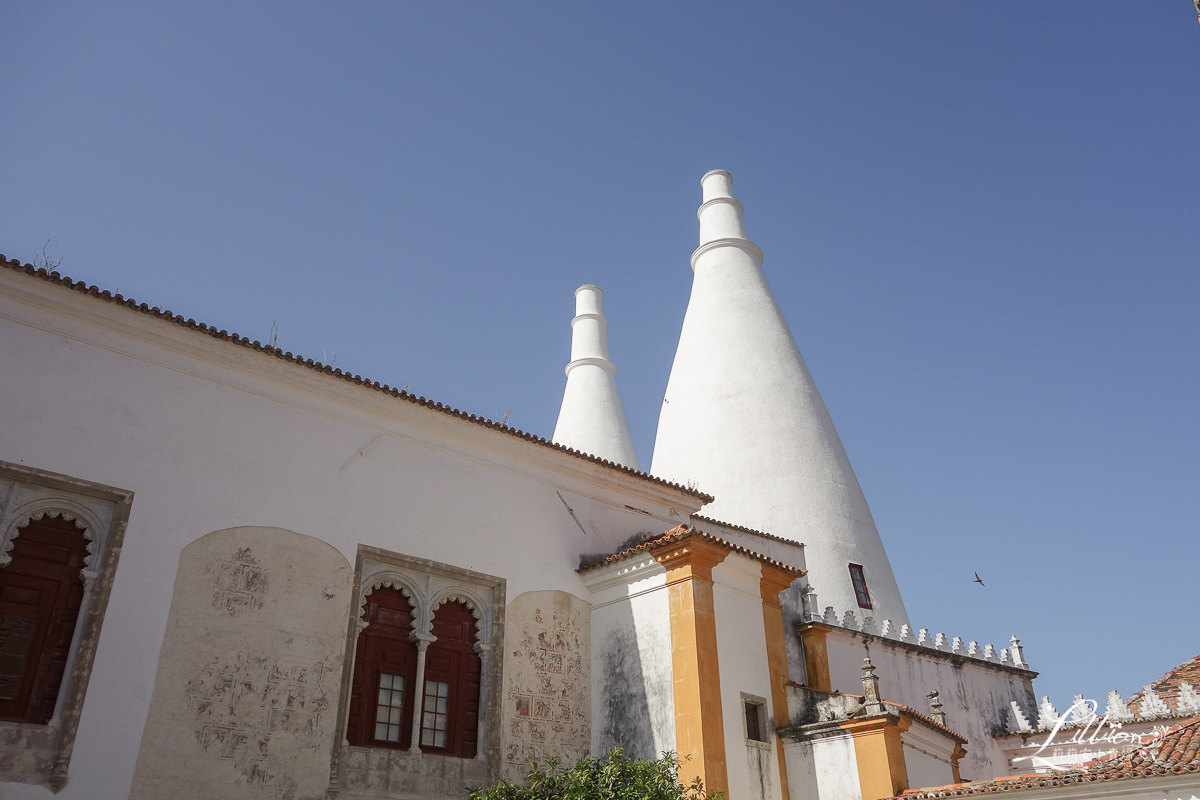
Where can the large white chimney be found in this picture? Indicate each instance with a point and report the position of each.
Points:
(742, 420)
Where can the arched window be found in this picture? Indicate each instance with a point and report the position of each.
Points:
(450, 701)
(385, 674)
(40, 594)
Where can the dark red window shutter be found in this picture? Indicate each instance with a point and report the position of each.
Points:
(452, 678)
(40, 595)
(384, 658)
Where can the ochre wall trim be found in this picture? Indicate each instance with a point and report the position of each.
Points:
(699, 722)
(774, 581)
(816, 657)
(880, 757)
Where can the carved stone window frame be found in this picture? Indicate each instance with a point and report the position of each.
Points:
(41, 754)
(427, 585)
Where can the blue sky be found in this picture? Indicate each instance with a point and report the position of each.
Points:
(979, 218)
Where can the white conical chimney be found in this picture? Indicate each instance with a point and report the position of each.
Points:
(592, 418)
(742, 420)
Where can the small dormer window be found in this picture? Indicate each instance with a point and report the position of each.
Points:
(860, 586)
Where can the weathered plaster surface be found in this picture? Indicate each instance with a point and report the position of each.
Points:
(923, 769)
(825, 769)
(632, 692)
(547, 681)
(378, 774)
(249, 672)
(975, 694)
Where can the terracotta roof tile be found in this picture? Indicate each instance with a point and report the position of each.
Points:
(1167, 687)
(731, 526)
(1176, 753)
(678, 534)
(358, 380)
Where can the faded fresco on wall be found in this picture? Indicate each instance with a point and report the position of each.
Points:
(547, 681)
(246, 691)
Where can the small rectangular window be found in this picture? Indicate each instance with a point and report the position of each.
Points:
(860, 586)
(754, 727)
(389, 712)
(436, 714)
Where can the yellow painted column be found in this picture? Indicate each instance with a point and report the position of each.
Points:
(699, 722)
(880, 757)
(816, 656)
(775, 580)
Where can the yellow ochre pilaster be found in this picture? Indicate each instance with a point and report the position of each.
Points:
(699, 723)
(816, 656)
(880, 757)
(775, 580)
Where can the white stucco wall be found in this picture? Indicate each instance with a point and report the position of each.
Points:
(633, 705)
(742, 650)
(791, 600)
(927, 756)
(975, 694)
(825, 769)
(210, 435)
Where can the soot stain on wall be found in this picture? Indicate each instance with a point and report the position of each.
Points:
(626, 709)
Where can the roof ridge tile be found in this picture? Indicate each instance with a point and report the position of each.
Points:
(53, 276)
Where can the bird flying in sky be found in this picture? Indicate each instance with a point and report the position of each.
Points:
(977, 578)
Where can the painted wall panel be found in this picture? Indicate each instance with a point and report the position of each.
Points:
(245, 698)
(547, 681)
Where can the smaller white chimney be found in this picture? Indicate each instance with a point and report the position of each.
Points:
(592, 419)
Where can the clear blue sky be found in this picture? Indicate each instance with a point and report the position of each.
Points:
(981, 220)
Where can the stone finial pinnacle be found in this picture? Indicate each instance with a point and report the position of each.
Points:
(936, 712)
(872, 702)
(1018, 652)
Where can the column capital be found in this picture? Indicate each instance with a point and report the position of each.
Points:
(775, 580)
(691, 558)
(421, 640)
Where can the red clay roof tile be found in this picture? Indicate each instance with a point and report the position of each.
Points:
(678, 534)
(1176, 753)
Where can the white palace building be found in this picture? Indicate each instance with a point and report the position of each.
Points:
(231, 572)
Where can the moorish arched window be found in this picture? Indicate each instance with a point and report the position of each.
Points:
(450, 702)
(385, 673)
(41, 590)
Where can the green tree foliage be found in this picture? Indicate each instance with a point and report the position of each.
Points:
(611, 777)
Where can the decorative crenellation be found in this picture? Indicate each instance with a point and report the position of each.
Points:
(1047, 714)
(1146, 706)
(1012, 656)
(1017, 721)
